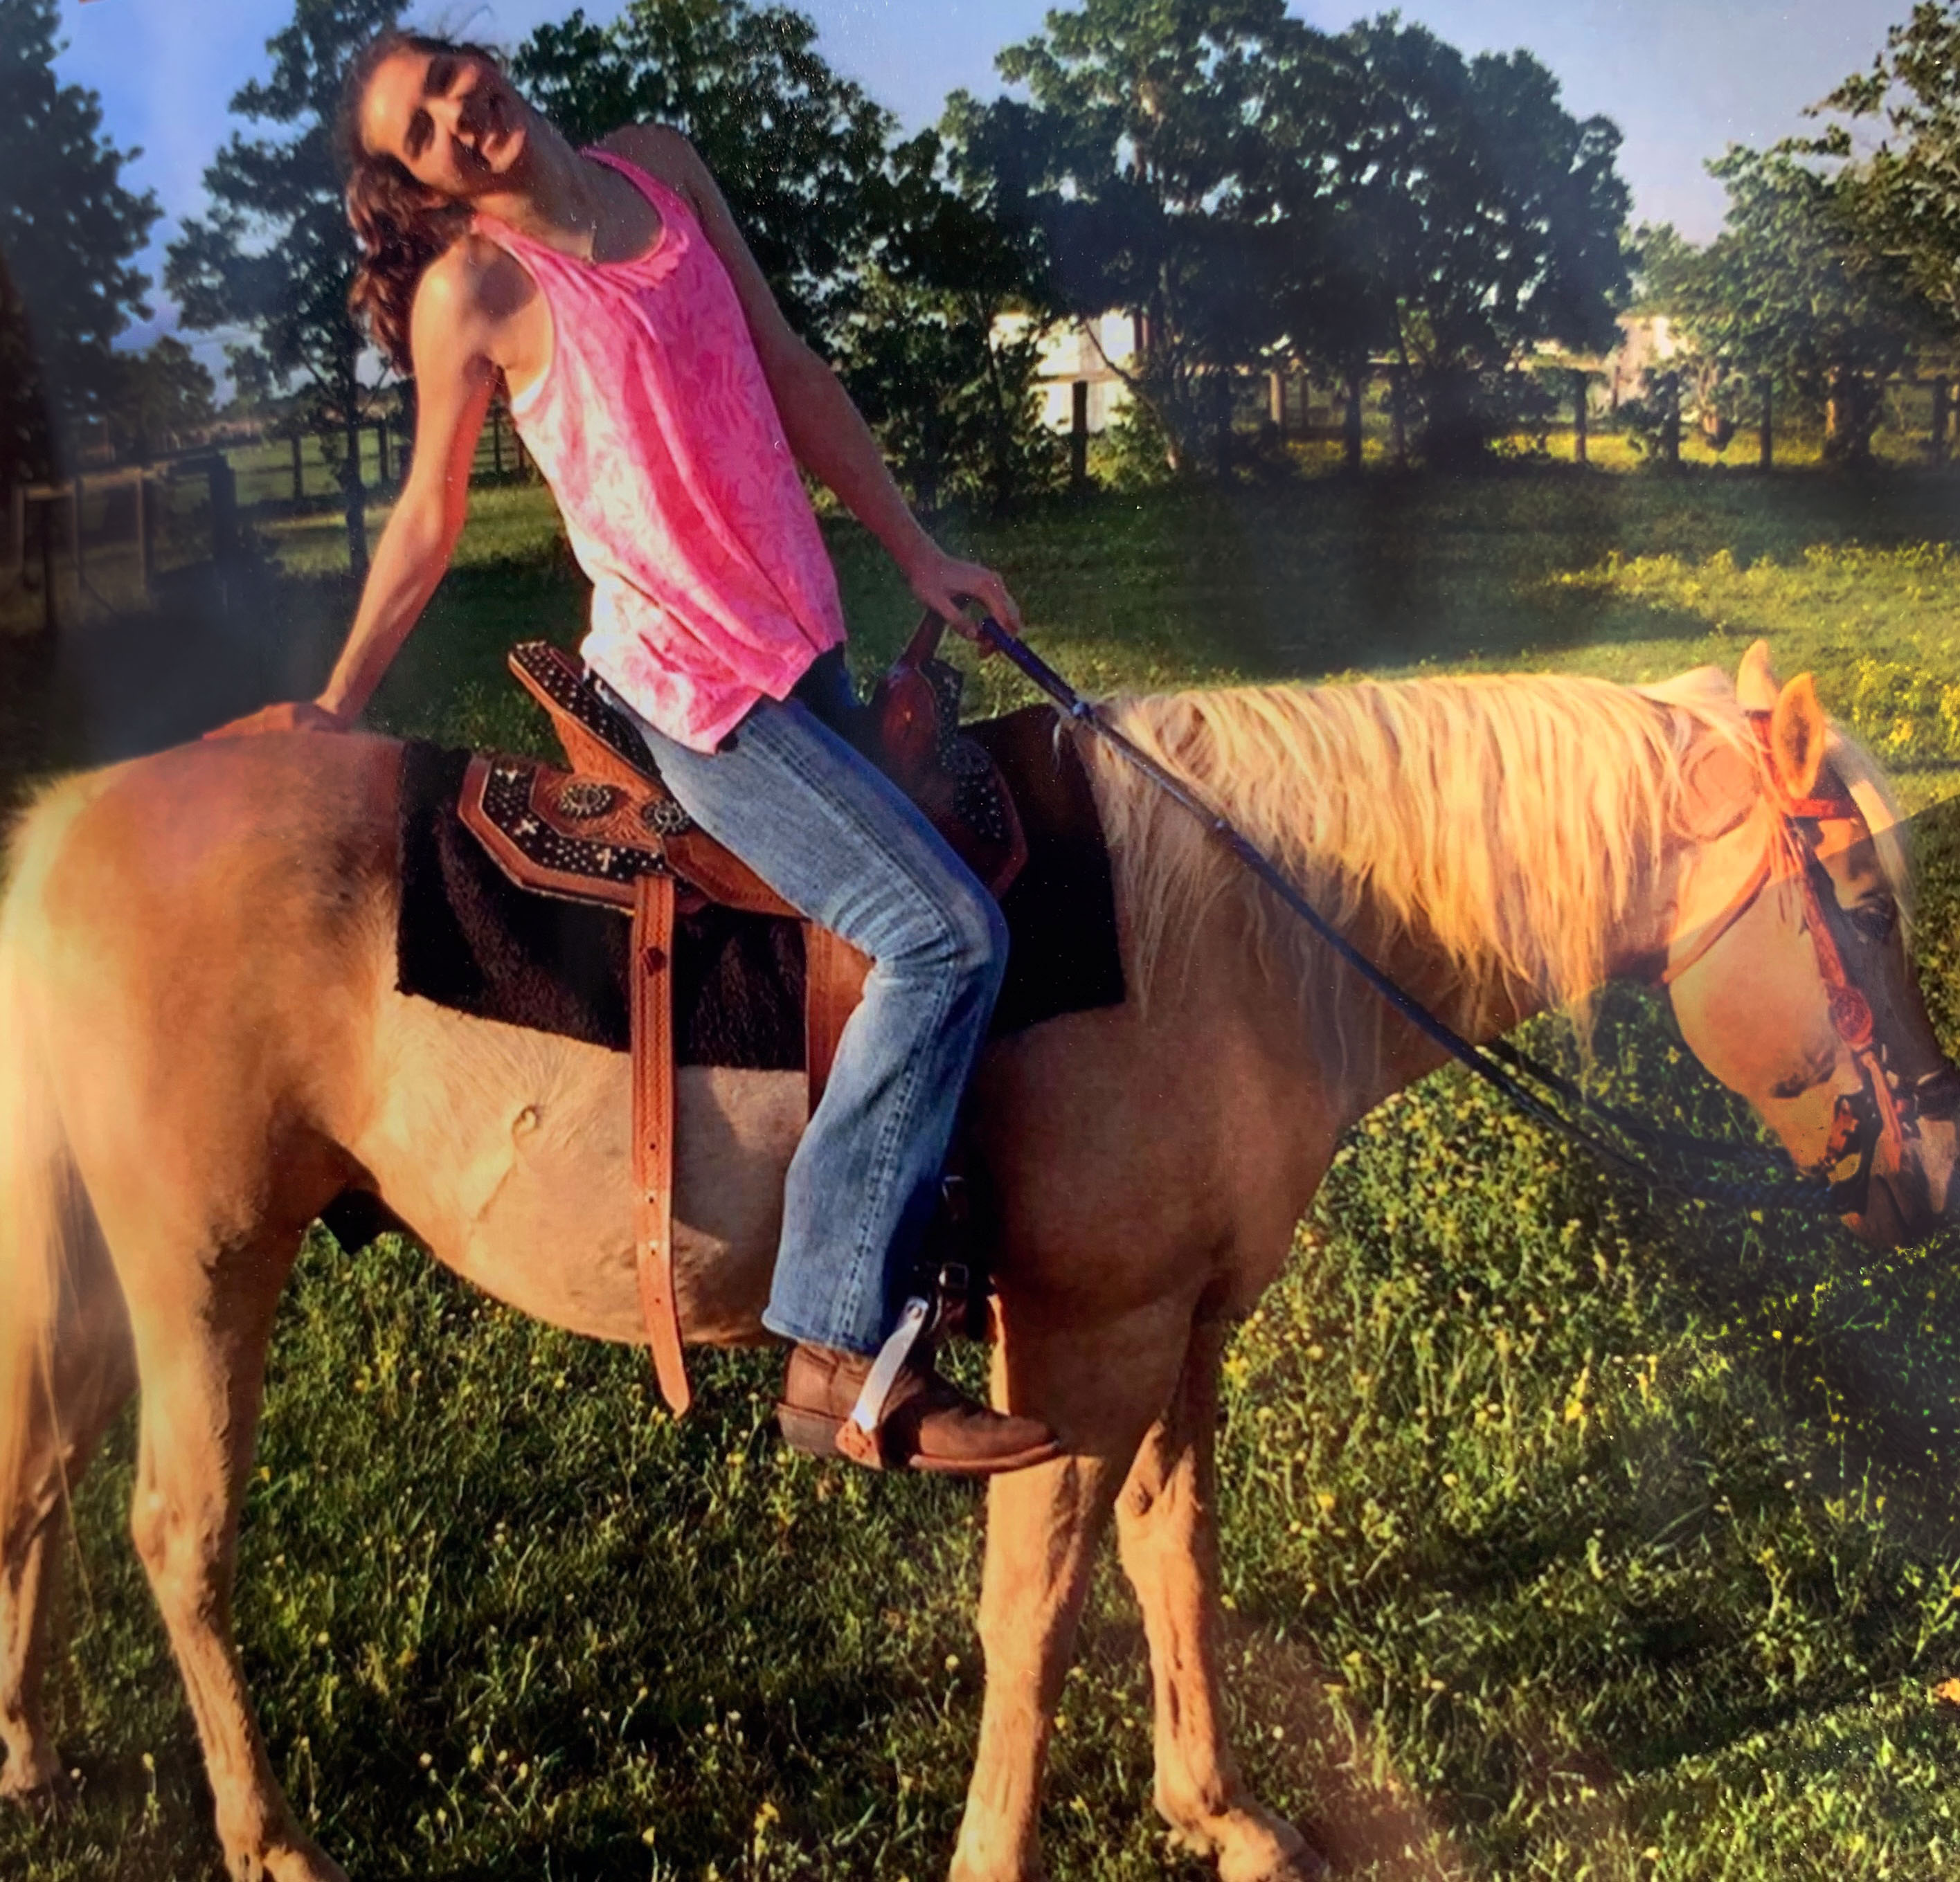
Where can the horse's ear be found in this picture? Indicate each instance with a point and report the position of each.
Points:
(1797, 730)
(1720, 786)
(1756, 688)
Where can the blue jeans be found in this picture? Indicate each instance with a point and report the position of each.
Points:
(838, 841)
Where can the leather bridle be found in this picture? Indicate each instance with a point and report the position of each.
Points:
(1869, 1126)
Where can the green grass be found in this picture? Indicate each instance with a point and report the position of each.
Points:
(1567, 1535)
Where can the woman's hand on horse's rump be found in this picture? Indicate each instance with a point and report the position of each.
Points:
(944, 583)
(284, 715)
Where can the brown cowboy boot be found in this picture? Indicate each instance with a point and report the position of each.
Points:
(896, 1413)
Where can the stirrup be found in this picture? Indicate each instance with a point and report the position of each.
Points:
(858, 1436)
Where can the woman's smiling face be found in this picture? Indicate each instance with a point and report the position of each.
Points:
(451, 119)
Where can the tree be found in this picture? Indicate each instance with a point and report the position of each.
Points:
(156, 398)
(68, 232)
(1790, 293)
(922, 347)
(275, 253)
(795, 147)
(1446, 214)
(1902, 201)
(254, 385)
(1134, 168)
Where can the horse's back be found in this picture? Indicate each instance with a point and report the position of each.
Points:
(287, 816)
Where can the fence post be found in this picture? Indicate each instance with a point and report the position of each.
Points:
(145, 539)
(299, 471)
(1350, 424)
(1939, 414)
(496, 439)
(1766, 433)
(1078, 435)
(1581, 381)
(50, 615)
(380, 452)
(222, 481)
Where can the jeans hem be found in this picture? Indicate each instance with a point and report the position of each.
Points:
(812, 1336)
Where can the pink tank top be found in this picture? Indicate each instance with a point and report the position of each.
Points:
(656, 430)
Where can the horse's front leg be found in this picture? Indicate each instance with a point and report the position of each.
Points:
(1101, 1392)
(1167, 1530)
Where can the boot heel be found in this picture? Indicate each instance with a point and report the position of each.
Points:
(810, 1432)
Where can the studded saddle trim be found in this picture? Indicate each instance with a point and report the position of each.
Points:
(559, 683)
(575, 837)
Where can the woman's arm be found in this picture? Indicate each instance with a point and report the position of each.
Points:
(454, 380)
(449, 330)
(825, 429)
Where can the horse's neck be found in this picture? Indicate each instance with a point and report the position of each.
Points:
(1632, 946)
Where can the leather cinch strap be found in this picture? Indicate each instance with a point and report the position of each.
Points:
(652, 1016)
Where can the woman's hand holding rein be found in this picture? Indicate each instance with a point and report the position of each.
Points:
(945, 584)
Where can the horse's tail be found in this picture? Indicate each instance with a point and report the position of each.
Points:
(44, 1212)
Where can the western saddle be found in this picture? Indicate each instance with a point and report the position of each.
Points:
(605, 829)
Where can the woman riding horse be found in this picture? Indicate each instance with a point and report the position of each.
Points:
(664, 397)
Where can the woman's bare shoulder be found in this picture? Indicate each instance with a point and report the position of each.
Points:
(661, 151)
(473, 278)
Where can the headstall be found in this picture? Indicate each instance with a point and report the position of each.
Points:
(1879, 1117)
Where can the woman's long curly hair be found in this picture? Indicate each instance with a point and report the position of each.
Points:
(401, 224)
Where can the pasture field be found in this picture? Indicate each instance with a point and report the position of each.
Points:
(1567, 1533)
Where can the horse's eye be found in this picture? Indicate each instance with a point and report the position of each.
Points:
(1874, 920)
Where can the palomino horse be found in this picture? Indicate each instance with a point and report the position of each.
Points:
(201, 1044)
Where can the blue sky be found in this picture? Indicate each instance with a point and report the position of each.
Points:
(1682, 78)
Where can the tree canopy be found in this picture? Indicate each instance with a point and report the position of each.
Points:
(1446, 214)
(1254, 188)
(275, 253)
(1133, 166)
(920, 342)
(156, 397)
(1902, 201)
(69, 233)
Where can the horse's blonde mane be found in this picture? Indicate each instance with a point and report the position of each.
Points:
(1510, 824)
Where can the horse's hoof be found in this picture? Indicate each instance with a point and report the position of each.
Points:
(44, 1794)
(300, 1860)
(1304, 1865)
(303, 1861)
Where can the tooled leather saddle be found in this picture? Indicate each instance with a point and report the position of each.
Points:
(604, 829)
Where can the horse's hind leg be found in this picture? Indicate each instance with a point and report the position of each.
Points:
(92, 1374)
(1166, 1529)
(203, 1323)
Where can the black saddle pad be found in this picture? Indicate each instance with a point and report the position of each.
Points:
(470, 938)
